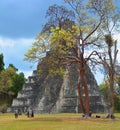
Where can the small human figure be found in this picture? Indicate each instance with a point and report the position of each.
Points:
(32, 114)
(28, 114)
(16, 113)
(19, 112)
(25, 111)
(90, 114)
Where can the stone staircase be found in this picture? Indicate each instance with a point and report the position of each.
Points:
(27, 96)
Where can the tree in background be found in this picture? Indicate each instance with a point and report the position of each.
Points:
(11, 65)
(117, 88)
(6, 82)
(117, 91)
(11, 82)
(1, 62)
(105, 90)
(110, 51)
(58, 16)
(110, 68)
(17, 83)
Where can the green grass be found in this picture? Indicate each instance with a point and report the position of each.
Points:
(58, 122)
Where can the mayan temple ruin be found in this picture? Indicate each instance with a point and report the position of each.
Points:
(47, 94)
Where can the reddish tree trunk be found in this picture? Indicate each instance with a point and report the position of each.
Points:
(87, 98)
(80, 97)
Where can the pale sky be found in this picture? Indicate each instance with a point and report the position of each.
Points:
(20, 22)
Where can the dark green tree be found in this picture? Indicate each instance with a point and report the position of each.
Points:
(17, 83)
(11, 65)
(5, 79)
(11, 82)
(1, 62)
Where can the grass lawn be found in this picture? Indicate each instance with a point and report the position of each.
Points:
(58, 122)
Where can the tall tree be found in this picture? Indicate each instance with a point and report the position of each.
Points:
(89, 20)
(111, 69)
(70, 45)
(1, 62)
(109, 55)
(58, 16)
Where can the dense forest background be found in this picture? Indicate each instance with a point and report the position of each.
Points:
(11, 82)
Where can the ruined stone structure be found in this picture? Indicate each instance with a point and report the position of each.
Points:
(47, 94)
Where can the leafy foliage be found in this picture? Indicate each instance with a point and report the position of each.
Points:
(17, 83)
(1, 62)
(11, 82)
(105, 90)
(5, 76)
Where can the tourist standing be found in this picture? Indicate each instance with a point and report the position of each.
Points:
(16, 113)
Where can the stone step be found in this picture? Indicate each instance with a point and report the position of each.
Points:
(26, 97)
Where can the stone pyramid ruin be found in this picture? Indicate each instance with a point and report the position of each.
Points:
(55, 94)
